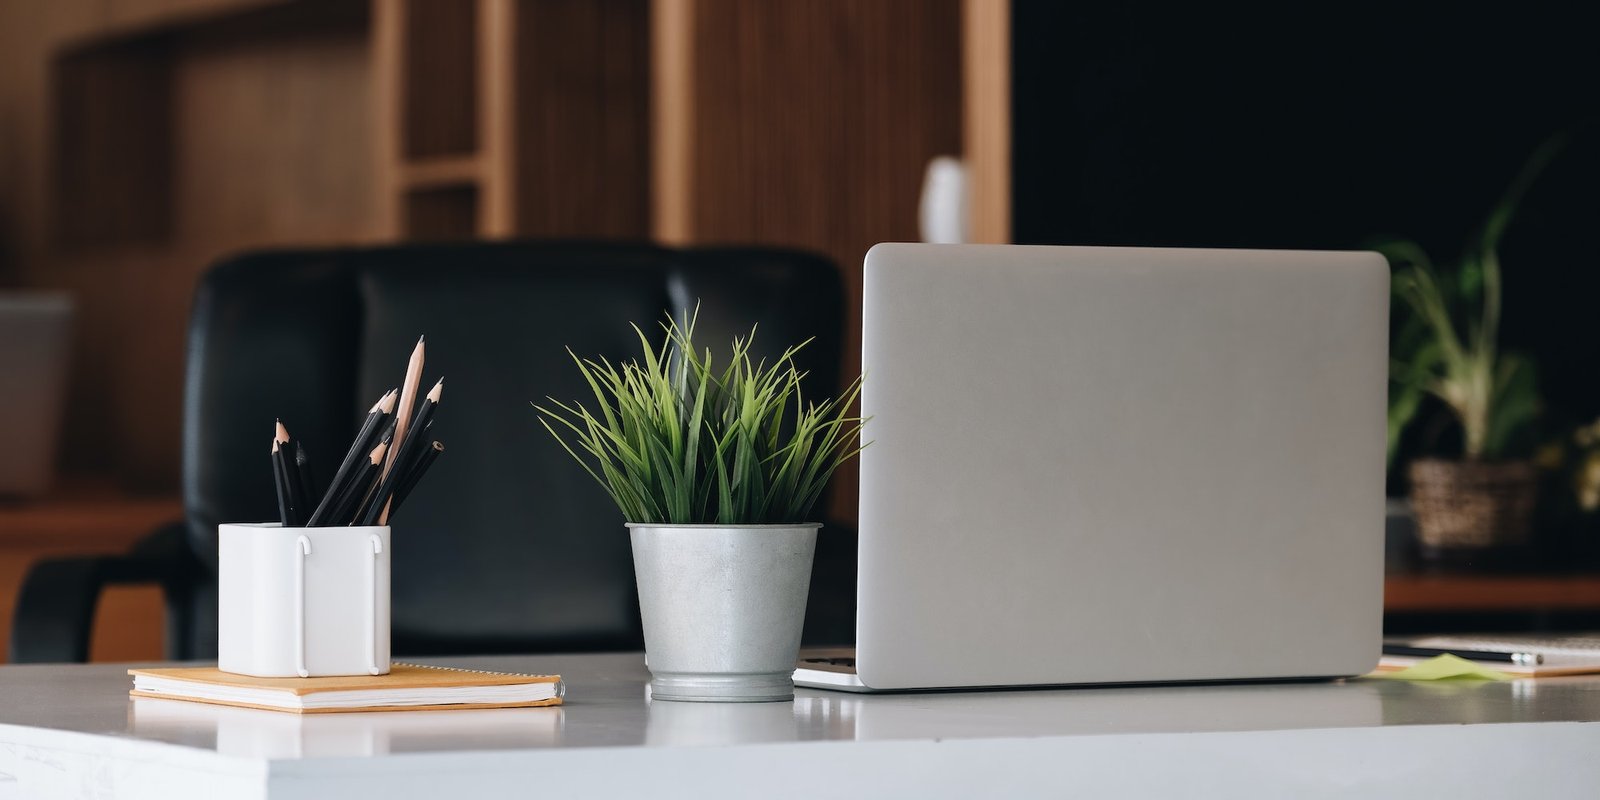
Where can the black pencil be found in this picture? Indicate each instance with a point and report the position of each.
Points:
(1519, 657)
(370, 498)
(305, 483)
(367, 484)
(378, 419)
(403, 491)
(358, 487)
(294, 469)
(410, 450)
(280, 479)
(411, 453)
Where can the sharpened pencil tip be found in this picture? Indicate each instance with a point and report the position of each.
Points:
(282, 432)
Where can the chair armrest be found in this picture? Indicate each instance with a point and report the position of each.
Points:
(55, 607)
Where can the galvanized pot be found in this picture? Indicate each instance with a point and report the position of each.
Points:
(722, 607)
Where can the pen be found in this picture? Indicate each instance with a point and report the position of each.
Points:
(1520, 659)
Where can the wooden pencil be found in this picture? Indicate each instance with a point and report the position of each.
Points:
(408, 451)
(379, 419)
(358, 487)
(403, 466)
(368, 483)
(300, 472)
(403, 490)
(408, 399)
(280, 479)
(291, 474)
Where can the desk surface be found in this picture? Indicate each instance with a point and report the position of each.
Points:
(71, 731)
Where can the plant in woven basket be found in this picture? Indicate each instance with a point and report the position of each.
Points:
(1446, 345)
(678, 438)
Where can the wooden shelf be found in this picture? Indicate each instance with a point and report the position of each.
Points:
(439, 98)
(445, 213)
(442, 171)
(1486, 593)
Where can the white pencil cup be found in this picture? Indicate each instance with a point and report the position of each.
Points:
(303, 602)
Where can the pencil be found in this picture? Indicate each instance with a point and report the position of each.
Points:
(409, 451)
(306, 485)
(281, 480)
(291, 475)
(367, 483)
(378, 419)
(360, 484)
(408, 399)
(410, 454)
(403, 491)
(1519, 658)
(294, 470)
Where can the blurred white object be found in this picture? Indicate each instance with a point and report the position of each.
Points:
(943, 212)
(35, 337)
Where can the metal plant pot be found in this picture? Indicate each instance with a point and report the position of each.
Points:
(722, 607)
(1473, 504)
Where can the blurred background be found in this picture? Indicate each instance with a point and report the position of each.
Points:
(140, 140)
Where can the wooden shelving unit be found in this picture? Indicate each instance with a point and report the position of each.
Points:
(512, 117)
(175, 133)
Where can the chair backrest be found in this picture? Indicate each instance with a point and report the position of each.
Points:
(507, 545)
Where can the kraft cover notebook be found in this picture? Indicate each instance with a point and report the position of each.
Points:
(407, 687)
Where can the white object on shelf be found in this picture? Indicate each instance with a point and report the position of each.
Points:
(942, 215)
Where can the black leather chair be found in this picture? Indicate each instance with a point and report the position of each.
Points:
(507, 546)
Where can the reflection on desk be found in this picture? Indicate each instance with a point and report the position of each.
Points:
(254, 733)
(72, 731)
(823, 716)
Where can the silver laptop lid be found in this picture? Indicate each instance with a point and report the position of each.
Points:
(1120, 464)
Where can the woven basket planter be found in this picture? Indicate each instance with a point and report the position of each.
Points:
(1467, 504)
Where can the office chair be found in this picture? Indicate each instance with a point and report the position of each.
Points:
(507, 546)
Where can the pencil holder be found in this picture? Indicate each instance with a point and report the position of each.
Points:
(302, 602)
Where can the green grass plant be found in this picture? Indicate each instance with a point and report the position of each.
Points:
(677, 439)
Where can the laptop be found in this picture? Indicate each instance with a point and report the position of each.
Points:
(1095, 465)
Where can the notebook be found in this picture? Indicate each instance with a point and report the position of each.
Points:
(1577, 654)
(407, 687)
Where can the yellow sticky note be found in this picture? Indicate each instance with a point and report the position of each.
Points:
(1445, 667)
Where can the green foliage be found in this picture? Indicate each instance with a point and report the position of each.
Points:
(675, 440)
(1448, 345)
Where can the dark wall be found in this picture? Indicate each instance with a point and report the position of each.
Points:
(1321, 126)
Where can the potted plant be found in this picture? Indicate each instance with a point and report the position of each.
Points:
(1448, 347)
(716, 469)
(1569, 496)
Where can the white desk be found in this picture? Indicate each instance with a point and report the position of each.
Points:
(71, 731)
